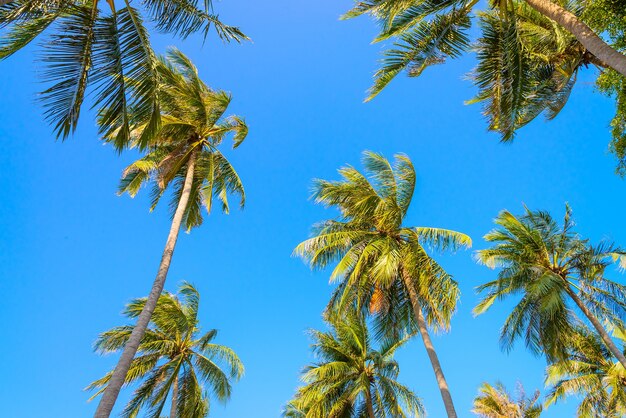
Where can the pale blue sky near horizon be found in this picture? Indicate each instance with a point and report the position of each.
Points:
(72, 253)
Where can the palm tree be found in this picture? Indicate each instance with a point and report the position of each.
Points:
(174, 360)
(590, 373)
(550, 266)
(351, 378)
(377, 254)
(94, 45)
(529, 52)
(183, 156)
(495, 402)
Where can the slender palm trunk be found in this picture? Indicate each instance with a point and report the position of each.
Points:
(130, 349)
(174, 398)
(430, 349)
(582, 32)
(369, 404)
(596, 324)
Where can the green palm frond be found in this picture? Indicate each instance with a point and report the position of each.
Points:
(502, 75)
(112, 87)
(613, 84)
(143, 76)
(184, 17)
(68, 61)
(23, 32)
(443, 239)
(412, 14)
(427, 43)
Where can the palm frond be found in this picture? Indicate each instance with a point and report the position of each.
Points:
(68, 63)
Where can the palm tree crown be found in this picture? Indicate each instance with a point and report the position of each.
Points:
(193, 127)
(496, 402)
(174, 358)
(351, 378)
(96, 45)
(549, 266)
(591, 374)
(370, 243)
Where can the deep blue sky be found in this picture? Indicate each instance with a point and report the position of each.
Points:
(72, 252)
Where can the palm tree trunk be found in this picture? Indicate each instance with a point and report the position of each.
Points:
(430, 348)
(596, 324)
(369, 404)
(582, 32)
(174, 398)
(130, 349)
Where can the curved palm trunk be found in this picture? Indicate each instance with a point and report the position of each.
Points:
(174, 398)
(430, 349)
(596, 324)
(130, 349)
(583, 33)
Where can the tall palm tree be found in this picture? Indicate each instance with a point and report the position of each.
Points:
(496, 402)
(550, 266)
(175, 359)
(100, 46)
(352, 378)
(591, 374)
(529, 52)
(377, 254)
(184, 157)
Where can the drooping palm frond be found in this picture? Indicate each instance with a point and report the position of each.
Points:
(527, 67)
(427, 43)
(69, 60)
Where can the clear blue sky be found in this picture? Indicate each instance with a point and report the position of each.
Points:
(72, 253)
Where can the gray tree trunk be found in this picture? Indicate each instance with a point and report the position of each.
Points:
(174, 398)
(610, 344)
(369, 404)
(583, 33)
(430, 349)
(130, 349)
